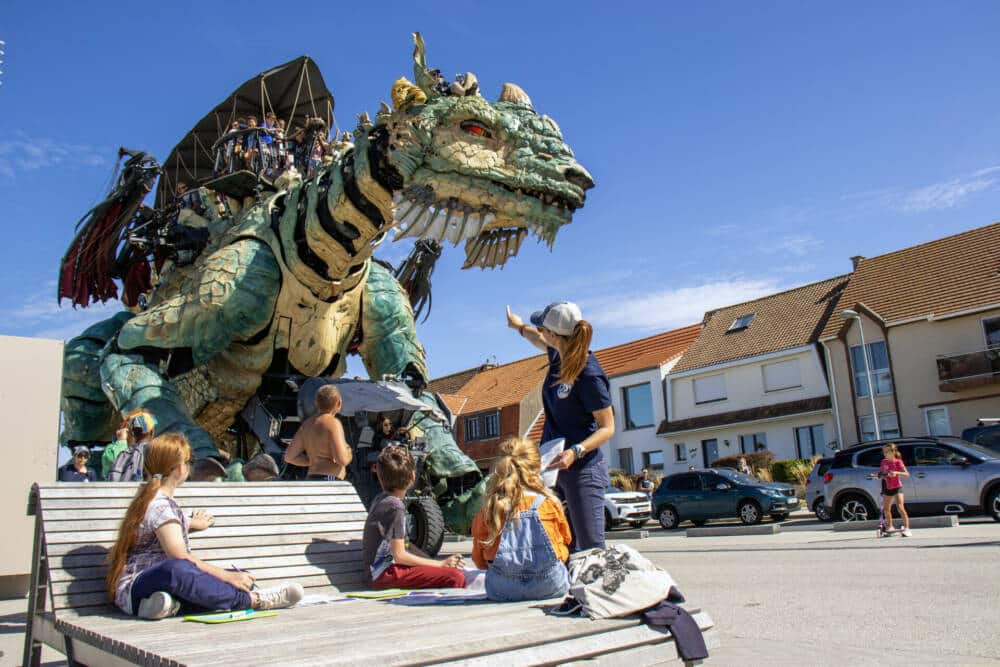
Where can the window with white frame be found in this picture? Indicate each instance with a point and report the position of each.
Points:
(652, 460)
(710, 389)
(484, 426)
(680, 452)
(878, 362)
(782, 375)
(809, 441)
(638, 403)
(753, 442)
(888, 424)
(991, 330)
(938, 422)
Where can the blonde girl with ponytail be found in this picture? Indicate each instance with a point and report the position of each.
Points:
(576, 398)
(151, 570)
(520, 536)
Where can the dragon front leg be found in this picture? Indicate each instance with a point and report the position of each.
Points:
(130, 381)
(389, 344)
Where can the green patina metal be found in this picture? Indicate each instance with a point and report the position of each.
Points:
(292, 273)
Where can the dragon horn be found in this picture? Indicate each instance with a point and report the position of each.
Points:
(423, 78)
(514, 93)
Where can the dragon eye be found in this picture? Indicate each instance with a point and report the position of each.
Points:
(476, 129)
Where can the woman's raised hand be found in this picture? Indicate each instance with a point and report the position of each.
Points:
(513, 321)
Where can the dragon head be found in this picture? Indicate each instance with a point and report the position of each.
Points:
(472, 171)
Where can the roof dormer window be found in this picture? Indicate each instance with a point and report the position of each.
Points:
(741, 323)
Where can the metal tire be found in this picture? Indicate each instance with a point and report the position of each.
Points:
(749, 512)
(668, 517)
(854, 508)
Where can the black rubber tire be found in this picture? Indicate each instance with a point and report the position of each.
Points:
(819, 509)
(749, 512)
(855, 507)
(993, 503)
(425, 525)
(668, 517)
(779, 517)
(699, 523)
(609, 523)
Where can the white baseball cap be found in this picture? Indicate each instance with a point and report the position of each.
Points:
(560, 317)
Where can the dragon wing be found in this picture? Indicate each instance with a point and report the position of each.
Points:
(233, 299)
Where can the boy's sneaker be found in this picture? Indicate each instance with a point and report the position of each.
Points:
(158, 605)
(569, 607)
(906, 532)
(279, 597)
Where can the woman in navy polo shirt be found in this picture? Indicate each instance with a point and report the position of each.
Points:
(577, 403)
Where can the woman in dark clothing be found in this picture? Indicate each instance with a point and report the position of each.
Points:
(76, 470)
(577, 402)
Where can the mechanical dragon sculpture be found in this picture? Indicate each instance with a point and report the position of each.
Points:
(292, 276)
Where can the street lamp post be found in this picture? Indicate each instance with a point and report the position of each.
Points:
(853, 315)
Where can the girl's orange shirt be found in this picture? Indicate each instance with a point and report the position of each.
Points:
(553, 520)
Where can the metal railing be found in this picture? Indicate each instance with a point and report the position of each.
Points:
(980, 365)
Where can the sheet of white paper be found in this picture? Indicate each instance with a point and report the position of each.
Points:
(548, 451)
(321, 598)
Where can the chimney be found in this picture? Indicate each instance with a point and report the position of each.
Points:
(856, 260)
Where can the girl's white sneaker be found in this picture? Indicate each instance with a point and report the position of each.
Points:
(158, 605)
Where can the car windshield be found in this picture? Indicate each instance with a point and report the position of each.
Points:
(977, 450)
(735, 476)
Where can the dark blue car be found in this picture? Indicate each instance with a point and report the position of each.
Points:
(720, 493)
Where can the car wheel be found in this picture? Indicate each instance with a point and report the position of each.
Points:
(993, 504)
(668, 517)
(855, 508)
(749, 512)
(821, 511)
(609, 523)
(425, 525)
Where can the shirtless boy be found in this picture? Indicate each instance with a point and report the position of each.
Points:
(319, 443)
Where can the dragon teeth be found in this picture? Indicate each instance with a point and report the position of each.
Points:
(414, 215)
(397, 199)
(435, 228)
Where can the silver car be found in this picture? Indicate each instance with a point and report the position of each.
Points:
(814, 490)
(947, 476)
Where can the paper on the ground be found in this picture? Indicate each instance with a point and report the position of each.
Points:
(321, 598)
(548, 451)
(475, 581)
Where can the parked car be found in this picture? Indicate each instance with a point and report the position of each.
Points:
(720, 493)
(985, 434)
(620, 507)
(947, 476)
(814, 490)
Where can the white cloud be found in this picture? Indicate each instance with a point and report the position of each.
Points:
(674, 307)
(23, 153)
(39, 316)
(798, 245)
(936, 196)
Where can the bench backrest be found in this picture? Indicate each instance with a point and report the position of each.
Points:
(309, 532)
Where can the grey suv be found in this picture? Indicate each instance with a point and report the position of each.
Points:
(947, 476)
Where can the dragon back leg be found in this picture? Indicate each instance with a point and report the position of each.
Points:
(87, 414)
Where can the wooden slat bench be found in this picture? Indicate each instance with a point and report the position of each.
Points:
(309, 532)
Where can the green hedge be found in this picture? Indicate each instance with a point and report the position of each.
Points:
(761, 460)
(791, 471)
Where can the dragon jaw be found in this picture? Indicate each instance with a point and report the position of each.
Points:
(481, 173)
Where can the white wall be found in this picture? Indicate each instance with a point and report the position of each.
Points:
(639, 439)
(29, 411)
(745, 385)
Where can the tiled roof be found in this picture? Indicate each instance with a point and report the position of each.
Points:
(454, 402)
(494, 387)
(747, 415)
(450, 384)
(503, 385)
(781, 321)
(646, 352)
(945, 276)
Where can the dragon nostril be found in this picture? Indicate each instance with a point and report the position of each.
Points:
(579, 177)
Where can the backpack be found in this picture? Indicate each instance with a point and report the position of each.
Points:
(616, 581)
(128, 464)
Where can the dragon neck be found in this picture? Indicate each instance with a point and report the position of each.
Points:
(342, 214)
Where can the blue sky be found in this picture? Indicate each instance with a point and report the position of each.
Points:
(738, 148)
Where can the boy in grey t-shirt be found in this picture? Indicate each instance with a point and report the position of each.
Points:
(390, 564)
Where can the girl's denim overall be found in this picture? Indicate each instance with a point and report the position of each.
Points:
(526, 566)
